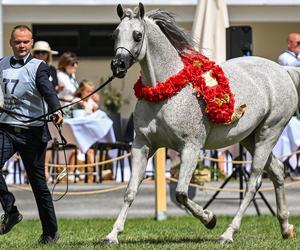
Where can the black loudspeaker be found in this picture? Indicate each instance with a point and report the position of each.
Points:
(238, 41)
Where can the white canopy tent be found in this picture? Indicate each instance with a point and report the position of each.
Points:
(209, 29)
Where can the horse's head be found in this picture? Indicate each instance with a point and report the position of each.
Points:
(129, 39)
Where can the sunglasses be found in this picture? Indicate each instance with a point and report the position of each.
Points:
(298, 43)
(38, 52)
(73, 64)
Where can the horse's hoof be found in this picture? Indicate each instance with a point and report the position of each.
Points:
(110, 241)
(225, 241)
(212, 223)
(291, 233)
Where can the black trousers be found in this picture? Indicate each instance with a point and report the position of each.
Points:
(29, 144)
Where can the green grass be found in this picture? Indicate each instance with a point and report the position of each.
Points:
(174, 233)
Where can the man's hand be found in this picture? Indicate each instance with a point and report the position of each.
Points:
(58, 118)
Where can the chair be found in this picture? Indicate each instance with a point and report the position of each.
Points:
(293, 173)
(18, 171)
(124, 133)
(55, 158)
(14, 170)
(128, 132)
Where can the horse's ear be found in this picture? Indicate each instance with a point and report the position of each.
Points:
(120, 11)
(141, 10)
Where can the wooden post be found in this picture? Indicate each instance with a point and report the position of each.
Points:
(160, 184)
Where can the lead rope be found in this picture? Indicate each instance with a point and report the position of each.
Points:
(43, 117)
(65, 172)
(63, 142)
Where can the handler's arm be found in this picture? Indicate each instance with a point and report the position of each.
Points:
(46, 88)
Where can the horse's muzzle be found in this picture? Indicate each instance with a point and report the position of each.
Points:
(120, 64)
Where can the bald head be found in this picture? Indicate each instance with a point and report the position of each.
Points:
(294, 42)
(21, 41)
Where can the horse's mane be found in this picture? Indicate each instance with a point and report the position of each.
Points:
(176, 35)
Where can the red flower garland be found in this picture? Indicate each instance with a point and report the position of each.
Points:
(219, 99)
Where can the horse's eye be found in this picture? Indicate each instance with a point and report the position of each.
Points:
(115, 34)
(137, 36)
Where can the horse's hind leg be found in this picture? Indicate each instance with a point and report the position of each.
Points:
(140, 154)
(189, 157)
(276, 173)
(261, 157)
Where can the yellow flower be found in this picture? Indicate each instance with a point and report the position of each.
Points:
(224, 99)
(197, 63)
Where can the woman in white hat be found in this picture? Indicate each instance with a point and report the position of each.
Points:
(42, 51)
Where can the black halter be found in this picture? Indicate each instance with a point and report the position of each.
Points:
(134, 57)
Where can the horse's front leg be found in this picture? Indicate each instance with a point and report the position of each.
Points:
(189, 158)
(140, 155)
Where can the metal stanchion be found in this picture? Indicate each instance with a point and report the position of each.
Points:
(242, 174)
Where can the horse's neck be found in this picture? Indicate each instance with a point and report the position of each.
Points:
(161, 60)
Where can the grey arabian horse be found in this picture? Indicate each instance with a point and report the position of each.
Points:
(270, 92)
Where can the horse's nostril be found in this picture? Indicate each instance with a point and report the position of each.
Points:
(115, 62)
(122, 64)
(118, 63)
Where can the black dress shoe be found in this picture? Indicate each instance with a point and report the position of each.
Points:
(48, 239)
(9, 220)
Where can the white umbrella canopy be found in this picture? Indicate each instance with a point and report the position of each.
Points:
(209, 29)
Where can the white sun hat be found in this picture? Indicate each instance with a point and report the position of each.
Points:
(43, 46)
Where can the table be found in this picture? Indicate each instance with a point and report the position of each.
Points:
(86, 130)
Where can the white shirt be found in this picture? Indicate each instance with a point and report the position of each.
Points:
(289, 58)
(89, 105)
(70, 86)
(23, 58)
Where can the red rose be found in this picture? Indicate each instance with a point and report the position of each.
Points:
(219, 99)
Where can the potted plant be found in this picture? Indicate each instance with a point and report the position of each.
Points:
(112, 99)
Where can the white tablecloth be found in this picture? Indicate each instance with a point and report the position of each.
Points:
(85, 131)
(289, 141)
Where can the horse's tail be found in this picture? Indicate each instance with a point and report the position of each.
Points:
(294, 73)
